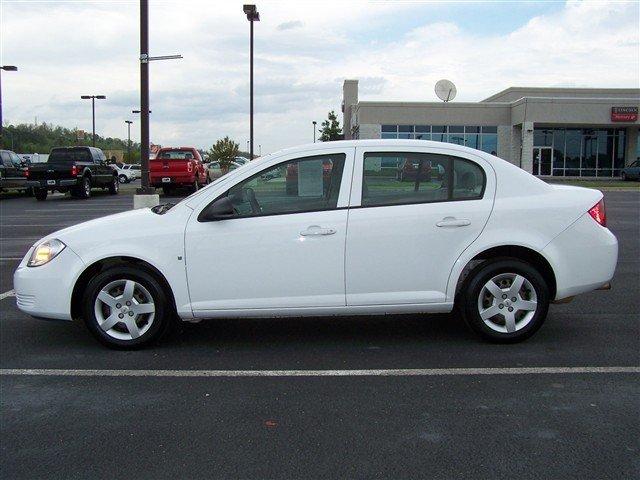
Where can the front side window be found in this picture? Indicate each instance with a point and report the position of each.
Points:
(301, 185)
(397, 178)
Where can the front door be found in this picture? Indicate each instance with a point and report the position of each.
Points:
(418, 212)
(284, 246)
(542, 160)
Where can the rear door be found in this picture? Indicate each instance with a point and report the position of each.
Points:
(407, 233)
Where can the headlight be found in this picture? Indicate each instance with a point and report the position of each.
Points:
(45, 252)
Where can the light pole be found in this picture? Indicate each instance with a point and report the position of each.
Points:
(253, 16)
(144, 97)
(6, 68)
(93, 111)
(128, 122)
(314, 130)
(138, 111)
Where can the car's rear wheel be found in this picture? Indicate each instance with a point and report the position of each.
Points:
(114, 186)
(167, 190)
(40, 194)
(196, 185)
(123, 179)
(623, 176)
(84, 189)
(126, 308)
(505, 300)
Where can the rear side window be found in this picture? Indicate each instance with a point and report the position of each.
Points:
(401, 178)
(70, 155)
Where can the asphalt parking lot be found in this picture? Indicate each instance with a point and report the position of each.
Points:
(546, 420)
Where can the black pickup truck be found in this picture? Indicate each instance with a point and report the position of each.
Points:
(14, 173)
(74, 169)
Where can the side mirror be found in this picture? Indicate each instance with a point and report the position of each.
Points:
(221, 209)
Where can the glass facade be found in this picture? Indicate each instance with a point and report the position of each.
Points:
(582, 152)
(481, 138)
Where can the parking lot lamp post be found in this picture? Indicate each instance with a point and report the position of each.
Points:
(253, 16)
(6, 68)
(128, 122)
(314, 130)
(93, 112)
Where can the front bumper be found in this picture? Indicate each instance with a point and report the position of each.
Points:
(45, 291)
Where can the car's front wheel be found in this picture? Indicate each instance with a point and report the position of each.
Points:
(505, 300)
(114, 186)
(126, 308)
(123, 179)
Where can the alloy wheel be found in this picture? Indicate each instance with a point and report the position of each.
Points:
(124, 309)
(507, 302)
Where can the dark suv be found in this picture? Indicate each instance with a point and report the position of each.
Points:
(74, 169)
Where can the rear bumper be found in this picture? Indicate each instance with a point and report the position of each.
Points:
(58, 183)
(45, 291)
(583, 257)
(157, 180)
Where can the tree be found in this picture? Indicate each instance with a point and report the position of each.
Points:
(331, 129)
(224, 151)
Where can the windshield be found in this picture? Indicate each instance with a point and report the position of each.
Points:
(175, 155)
(70, 155)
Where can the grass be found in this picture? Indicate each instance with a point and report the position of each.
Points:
(600, 184)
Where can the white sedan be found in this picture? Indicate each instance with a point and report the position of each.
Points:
(329, 229)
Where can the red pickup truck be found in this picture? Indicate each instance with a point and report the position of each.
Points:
(177, 167)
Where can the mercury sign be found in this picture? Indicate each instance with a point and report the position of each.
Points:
(624, 114)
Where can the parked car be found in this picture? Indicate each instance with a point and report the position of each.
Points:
(482, 239)
(631, 172)
(135, 168)
(14, 173)
(214, 171)
(125, 175)
(177, 167)
(73, 169)
(241, 160)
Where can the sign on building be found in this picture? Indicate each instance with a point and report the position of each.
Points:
(624, 114)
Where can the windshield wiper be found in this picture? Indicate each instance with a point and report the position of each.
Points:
(162, 208)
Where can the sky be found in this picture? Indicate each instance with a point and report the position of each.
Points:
(303, 52)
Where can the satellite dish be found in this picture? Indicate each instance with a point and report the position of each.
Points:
(445, 90)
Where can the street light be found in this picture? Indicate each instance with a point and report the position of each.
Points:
(138, 111)
(128, 122)
(253, 16)
(93, 111)
(6, 68)
(314, 130)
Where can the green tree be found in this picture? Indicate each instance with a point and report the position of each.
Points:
(223, 152)
(331, 129)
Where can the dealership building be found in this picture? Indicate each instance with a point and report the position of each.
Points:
(572, 132)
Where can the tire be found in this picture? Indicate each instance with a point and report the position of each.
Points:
(167, 190)
(114, 186)
(40, 194)
(532, 297)
(195, 186)
(28, 192)
(623, 176)
(123, 179)
(128, 332)
(84, 189)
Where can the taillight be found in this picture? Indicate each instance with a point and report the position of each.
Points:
(74, 170)
(598, 213)
(26, 172)
(189, 167)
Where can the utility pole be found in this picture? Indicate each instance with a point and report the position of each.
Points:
(7, 68)
(314, 131)
(93, 113)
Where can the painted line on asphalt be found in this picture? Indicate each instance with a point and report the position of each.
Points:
(10, 293)
(420, 372)
(9, 259)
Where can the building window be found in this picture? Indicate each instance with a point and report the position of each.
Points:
(583, 152)
(480, 138)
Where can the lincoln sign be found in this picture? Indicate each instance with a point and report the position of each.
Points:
(624, 114)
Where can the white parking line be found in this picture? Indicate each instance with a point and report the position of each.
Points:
(420, 372)
(10, 293)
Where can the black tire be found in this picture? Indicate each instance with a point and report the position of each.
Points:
(114, 186)
(84, 189)
(167, 190)
(162, 317)
(468, 298)
(196, 185)
(623, 176)
(40, 194)
(123, 179)
(28, 192)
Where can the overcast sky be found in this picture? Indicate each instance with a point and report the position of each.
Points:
(304, 50)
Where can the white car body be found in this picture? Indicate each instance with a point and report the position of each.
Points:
(135, 169)
(389, 259)
(129, 174)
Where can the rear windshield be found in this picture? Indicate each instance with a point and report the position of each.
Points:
(175, 155)
(70, 155)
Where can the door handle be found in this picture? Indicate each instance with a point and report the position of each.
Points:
(453, 222)
(316, 230)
